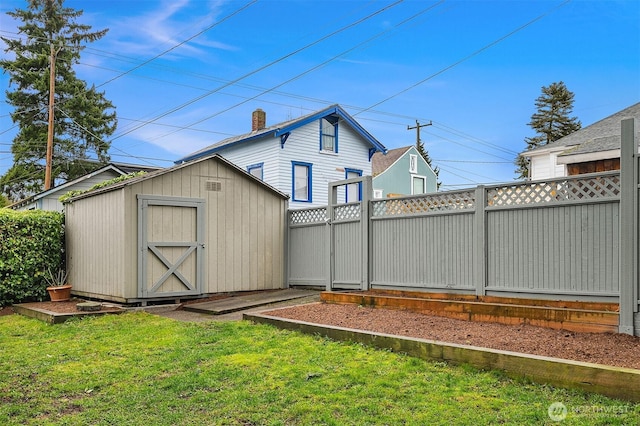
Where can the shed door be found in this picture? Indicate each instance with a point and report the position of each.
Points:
(170, 246)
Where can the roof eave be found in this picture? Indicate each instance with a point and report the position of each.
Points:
(334, 109)
(588, 156)
(216, 149)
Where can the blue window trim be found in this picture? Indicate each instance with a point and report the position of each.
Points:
(257, 166)
(309, 167)
(346, 176)
(332, 120)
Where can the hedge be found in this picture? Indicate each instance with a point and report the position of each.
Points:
(31, 243)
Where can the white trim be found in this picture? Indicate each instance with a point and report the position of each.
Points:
(424, 180)
(588, 156)
(413, 163)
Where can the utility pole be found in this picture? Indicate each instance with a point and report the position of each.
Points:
(52, 88)
(417, 127)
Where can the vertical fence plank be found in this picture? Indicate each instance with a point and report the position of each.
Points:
(628, 228)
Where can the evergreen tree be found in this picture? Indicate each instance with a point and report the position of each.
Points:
(83, 117)
(551, 121)
(423, 152)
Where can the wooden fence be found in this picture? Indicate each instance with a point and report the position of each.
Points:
(563, 239)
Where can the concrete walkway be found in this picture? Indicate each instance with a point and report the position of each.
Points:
(232, 308)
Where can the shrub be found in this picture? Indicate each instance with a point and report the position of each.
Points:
(31, 243)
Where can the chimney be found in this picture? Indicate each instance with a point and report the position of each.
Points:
(258, 120)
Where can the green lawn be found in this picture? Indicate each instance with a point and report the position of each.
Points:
(142, 369)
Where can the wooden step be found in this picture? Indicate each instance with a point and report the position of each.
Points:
(577, 317)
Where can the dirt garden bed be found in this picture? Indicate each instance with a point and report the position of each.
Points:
(612, 349)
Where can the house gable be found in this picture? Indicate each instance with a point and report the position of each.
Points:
(394, 175)
(48, 200)
(275, 151)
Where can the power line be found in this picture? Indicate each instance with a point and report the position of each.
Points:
(255, 71)
(477, 52)
(181, 43)
(310, 69)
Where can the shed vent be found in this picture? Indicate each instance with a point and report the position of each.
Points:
(211, 185)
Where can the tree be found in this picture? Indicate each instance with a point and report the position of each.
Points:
(83, 117)
(423, 152)
(551, 121)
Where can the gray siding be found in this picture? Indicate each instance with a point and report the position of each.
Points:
(96, 240)
(244, 226)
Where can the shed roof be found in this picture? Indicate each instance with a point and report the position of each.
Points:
(161, 172)
(286, 127)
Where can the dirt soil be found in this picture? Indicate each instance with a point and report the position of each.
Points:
(619, 350)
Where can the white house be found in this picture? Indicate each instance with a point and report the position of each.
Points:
(595, 148)
(301, 156)
(48, 200)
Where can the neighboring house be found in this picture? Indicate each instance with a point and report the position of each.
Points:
(300, 157)
(402, 171)
(595, 148)
(48, 200)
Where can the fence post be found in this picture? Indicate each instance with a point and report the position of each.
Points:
(365, 219)
(333, 200)
(628, 227)
(480, 242)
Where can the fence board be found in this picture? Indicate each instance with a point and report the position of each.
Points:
(557, 239)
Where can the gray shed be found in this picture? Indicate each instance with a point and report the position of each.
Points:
(199, 228)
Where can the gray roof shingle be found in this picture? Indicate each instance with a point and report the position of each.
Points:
(603, 135)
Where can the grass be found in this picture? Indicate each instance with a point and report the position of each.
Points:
(142, 369)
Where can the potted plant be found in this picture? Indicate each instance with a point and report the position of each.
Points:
(59, 290)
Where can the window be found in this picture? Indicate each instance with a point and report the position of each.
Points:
(413, 163)
(377, 193)
(256, 170)
(329, 134)
(301, 181)
(354, 190)
(418, 185)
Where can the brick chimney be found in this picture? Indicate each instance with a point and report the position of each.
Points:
(258, 120)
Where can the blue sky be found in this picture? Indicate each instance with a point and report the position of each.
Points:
(472, 68)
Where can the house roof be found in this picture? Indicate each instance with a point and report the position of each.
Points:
(381, 162)
(66, 185)
(284, 128)
(161, 172)
(603, 135)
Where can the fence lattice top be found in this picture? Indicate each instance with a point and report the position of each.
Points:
(346, 212)
(557, 191)
(315, 215)
(445, 201)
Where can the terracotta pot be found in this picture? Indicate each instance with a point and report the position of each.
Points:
(60, 293)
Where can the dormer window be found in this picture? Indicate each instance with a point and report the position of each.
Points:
(329, 134)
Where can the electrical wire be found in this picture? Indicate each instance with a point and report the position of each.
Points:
(215, 24)
(262, 68)
(314, 68)
(466, 58)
